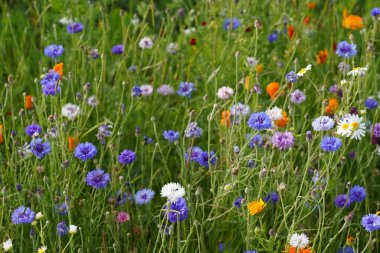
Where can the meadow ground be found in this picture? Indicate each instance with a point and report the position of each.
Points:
(190, 126)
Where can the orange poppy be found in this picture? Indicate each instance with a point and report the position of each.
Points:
(272, 89)
(225, 120)
(311, 5)
(295, 250)
(256, 207)
(322, 56)
(352, 22)
(1, 134)
(291, 31)
(28, 102)
(246, 83)
(59, 69)
(259, 68)
(350, 240)
(73, 141)
(306, 20)
(282, 122)
(332, 106)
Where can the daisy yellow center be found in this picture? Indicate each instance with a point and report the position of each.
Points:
(345, 126)
(354, 125)
(302, 71)
(356, 69)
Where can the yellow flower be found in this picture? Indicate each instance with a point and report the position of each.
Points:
(255, 207)
(42, 249)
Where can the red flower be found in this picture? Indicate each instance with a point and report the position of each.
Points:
(203, 23)
(193, 42)
(290, 31)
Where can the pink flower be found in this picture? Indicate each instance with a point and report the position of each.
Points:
(122, 217)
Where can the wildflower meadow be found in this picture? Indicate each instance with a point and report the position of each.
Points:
(190, 126)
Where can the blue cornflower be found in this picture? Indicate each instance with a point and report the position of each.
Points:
(205, 158)
(251, 164)
(370, 103)
(185, 89)
(371, 222)
(346, 249)
(237, 202)
(256, 141)
(171, 135)
(136, 91)
(342, 201)
(193, 131)
(50, 77)
(61, 209)
(51, 89)
(54, 51)
(331, 144)
(272, 197)
(23, 215)
(195, 153)
(33, 128)
(259, 121)
(74, 27)
(97, 178)
(273, 36)
(357, 194)
(118, 49)
(85, 151)
(178, 211)
(375, 12)
(144, 196)
(346, 50)
(62, 229)
(127, 157)
(39, 148)
(231, 24)
(291, 77)
(250, 251)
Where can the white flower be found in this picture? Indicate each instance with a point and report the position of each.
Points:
(135, 20)
(378, 150)
(146, 90)
(172, 191)
(73, 229)
(322, 123)
(42, 249)
(274, 113)
(165, 90)
(299, 241)
(7, 245)
(357, 127)
(92, 101)
(39, 216)
(172, 48)
(225, 93)
(189, 31)
(65, 21)
(240, 109)
(146, 43)
(343, 82)
(251, 61)
(344, 127)
(304, 70)
(357, 72)
(70, 111)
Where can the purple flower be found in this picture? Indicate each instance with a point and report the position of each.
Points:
(273, 36)
(272, 197)
(177, 211)
(346, 50)
(193, 131)
(342, 201)
(283, 140)
(136, 91)
(54, 51)
(51, 89)
(259, 121)
(376, 134)
(97, 178)
(256, 141)
(237, 202)
(231, 24)
(127, 157)
(144, 196)
(205, 158)
(371, 222)
(50, 77)
(375, 12)
(297, 97)
(291, 77)
(62, 229)
(85, 151)
(33, 128)
(61, 209)
(185, 89)
(74, 27)
(331, 144)
(39, 148)
(346, 249)
(117, 49)
(370, 103)
(171, 135)
(195, 153)
(357, 194)
(23, 215)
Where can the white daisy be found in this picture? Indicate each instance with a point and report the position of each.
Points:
(344, 127)
(225, 93)
(274, 113)
(357, 127)
(357, 72)
(299, 241)
(172, 191)
(146, 90)
(322, 123)
(70, 111)
(172, 48)
(252, 61)
(7, 245)
(73, 229)
(304, 70)
(146, 43)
